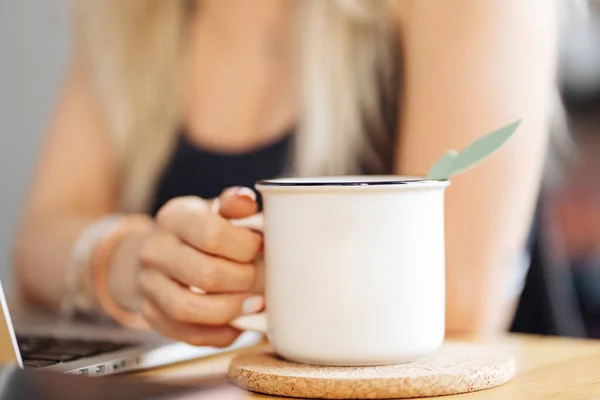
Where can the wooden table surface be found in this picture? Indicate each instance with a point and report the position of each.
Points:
(547, 368)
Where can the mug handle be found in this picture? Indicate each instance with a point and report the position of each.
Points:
(253, 322)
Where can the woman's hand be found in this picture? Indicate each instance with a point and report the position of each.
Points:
(194, 246)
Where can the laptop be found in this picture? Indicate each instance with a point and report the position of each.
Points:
(40, 341)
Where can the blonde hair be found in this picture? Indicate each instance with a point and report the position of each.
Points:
(346, 62)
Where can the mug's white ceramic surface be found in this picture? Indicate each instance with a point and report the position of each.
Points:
(354, 268)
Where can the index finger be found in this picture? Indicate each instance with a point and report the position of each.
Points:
(192, 221)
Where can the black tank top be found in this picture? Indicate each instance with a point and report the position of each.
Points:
(195, 171)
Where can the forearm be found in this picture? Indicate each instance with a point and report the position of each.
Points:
(42, 254)
(481, 296)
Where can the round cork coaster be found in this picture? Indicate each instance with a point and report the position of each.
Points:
(455, 368)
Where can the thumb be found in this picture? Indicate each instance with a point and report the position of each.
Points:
(237, 202)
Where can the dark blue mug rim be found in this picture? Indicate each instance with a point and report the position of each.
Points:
(333, 182)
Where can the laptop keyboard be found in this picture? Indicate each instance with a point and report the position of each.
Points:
(39, 352)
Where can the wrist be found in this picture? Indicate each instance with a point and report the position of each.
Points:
(124, 267)
(104, 258)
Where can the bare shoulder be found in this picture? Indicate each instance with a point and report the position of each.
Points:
(466, 15)
(500, 55)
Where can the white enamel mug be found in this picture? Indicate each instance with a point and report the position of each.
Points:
(354, 268)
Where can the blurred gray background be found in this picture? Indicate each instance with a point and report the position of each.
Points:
(34, 48)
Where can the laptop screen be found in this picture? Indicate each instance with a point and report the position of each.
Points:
(9, 353)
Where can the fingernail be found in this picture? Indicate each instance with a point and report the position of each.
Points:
(246, 192)
(197, 290)
(253, 304)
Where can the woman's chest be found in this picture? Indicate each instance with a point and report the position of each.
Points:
(239, 90)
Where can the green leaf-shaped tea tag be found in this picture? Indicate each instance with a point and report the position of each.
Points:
(442, 167)
(453, 163)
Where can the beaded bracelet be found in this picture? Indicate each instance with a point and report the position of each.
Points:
(87, 290)
(78, 298)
